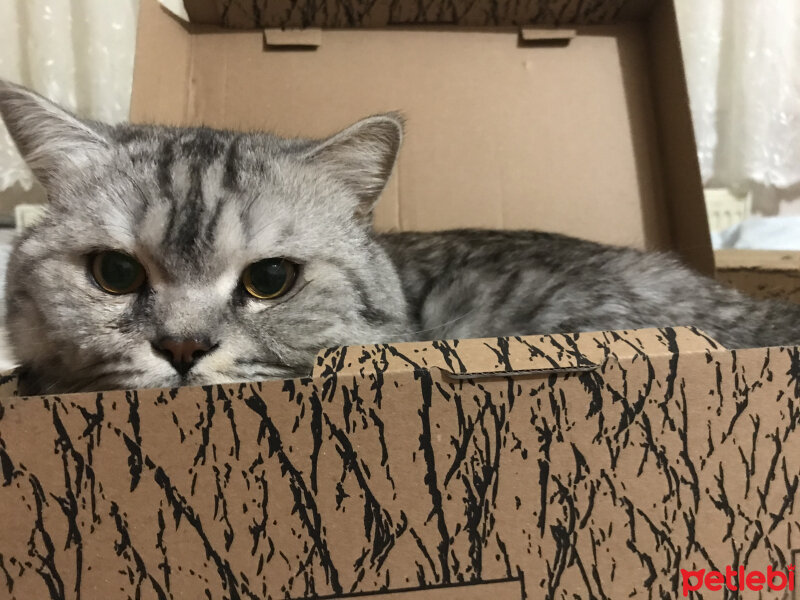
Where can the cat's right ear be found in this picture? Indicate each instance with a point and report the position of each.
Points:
(362, 157)
(53, 142)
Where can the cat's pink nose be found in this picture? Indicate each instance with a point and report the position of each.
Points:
(183, 354)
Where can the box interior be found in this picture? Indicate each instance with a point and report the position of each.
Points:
(566, 132)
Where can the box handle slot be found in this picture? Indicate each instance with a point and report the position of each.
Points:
(546, 36)
(583, 368)
(502, 589)
(301, 39)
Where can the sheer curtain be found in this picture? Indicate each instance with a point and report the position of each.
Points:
(742, 61)
(743, 67)
(76, 52)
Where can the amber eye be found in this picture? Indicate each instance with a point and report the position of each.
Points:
(269, 278)
(116, 272)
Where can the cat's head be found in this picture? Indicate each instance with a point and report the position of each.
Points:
(172, 256)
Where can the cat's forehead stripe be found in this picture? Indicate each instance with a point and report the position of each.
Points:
(186, 228)
(187, 166)
(230, 179)
(213, 222)
(166, 157)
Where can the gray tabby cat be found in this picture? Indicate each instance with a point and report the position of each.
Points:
(175, 256)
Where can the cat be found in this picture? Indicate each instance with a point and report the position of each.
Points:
(184, 256)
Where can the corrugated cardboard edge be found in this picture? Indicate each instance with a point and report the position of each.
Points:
(764, 274)
(683, 182)
(534, 355)
(768, 261)
(520, 356)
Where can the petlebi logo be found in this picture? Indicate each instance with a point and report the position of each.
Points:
(738, 580)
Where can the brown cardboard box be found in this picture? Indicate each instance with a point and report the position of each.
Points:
(578, 466)
(565, 466)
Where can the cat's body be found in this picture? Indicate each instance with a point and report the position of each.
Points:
(176, 256)
(477, 283)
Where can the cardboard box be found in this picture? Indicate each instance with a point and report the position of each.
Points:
(588, 466)
(564, 466)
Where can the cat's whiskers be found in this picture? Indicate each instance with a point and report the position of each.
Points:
(111, 376)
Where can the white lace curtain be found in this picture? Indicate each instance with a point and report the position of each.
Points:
(76, 52)
(742, 62)
(743, 67)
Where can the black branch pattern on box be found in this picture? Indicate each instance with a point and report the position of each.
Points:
(386, 472)
(380, 13)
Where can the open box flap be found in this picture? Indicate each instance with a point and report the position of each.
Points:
(525, 355)
(575, 137)
(255, 14)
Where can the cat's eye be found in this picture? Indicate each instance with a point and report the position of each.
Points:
(269, 278)
(117, 272)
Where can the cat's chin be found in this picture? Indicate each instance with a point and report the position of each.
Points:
(214, 378)
(263, 375)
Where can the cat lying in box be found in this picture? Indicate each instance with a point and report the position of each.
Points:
(173, 256)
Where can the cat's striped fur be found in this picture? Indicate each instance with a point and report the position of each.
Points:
(196, 206)
(472, 283)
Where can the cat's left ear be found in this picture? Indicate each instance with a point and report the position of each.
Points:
(362, 156)
(53, 142)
